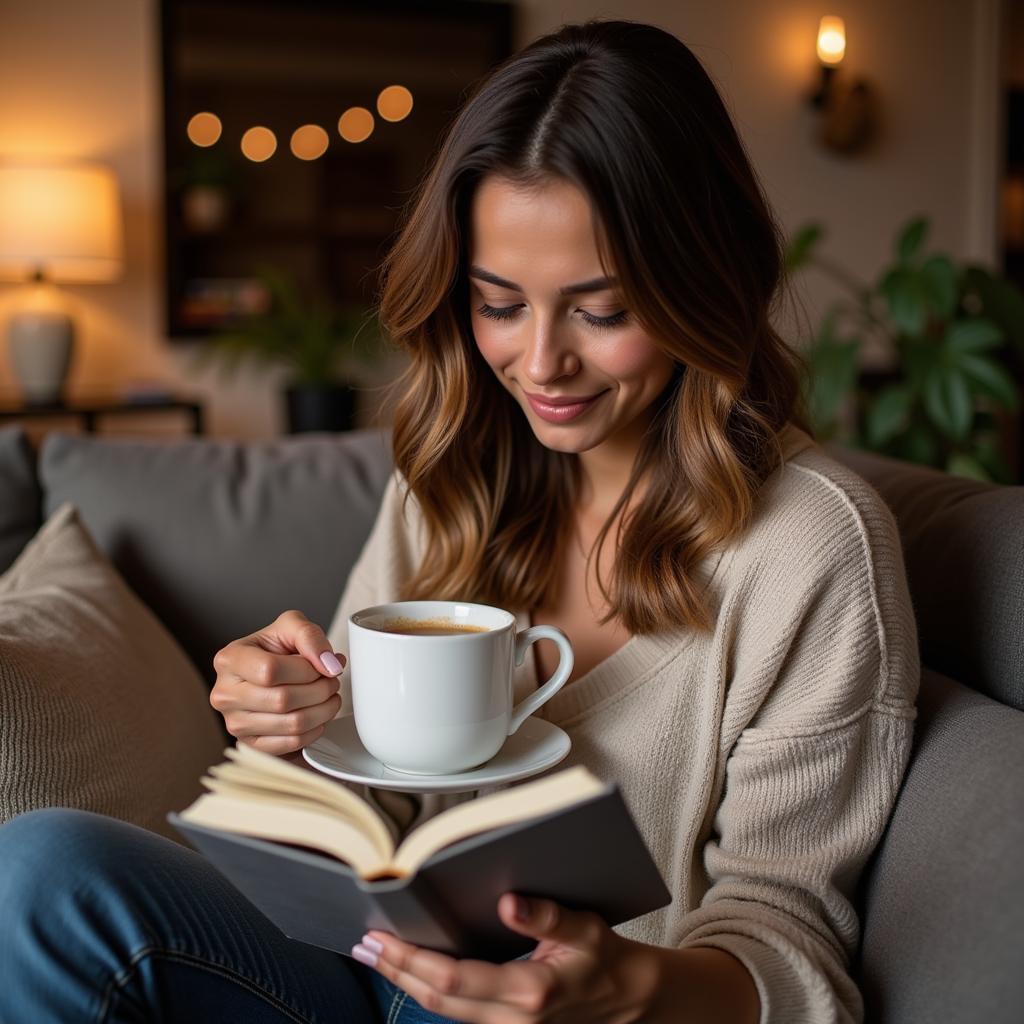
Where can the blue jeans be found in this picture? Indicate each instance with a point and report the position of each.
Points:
(103, 921)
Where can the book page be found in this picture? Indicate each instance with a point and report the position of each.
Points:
(527, 800)
(259, 784)
(267, 797)
(265, 771)
(285, 821)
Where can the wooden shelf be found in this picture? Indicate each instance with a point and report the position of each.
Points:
(249, 233)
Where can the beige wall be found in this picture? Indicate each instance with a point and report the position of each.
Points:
(82, 80)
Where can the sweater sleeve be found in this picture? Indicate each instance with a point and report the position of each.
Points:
(822, 706)
(388, 557)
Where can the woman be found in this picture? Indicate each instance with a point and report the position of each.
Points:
(599, 429)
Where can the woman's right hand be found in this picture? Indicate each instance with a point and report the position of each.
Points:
(273, 690)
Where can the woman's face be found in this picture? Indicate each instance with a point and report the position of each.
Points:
(541, 342)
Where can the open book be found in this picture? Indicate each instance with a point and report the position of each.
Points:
(318, 860)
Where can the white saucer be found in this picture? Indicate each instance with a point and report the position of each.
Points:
(534, 746)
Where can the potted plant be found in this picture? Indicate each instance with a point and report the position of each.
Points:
(206, 186)
(320, 344)
(955, 336)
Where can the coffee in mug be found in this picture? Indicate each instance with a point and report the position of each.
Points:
(427, 627)
(432, 682)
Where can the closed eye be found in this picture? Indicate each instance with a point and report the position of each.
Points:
(507, 313)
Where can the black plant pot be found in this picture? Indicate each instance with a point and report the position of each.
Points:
(320, 407)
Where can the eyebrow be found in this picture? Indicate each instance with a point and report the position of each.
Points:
(597, 284)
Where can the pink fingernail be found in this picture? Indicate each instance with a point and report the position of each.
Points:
(363, 955)
(371, 943)
(330, 663)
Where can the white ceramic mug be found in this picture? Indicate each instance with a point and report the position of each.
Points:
(435, 705)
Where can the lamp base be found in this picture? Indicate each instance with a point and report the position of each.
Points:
(40, 345)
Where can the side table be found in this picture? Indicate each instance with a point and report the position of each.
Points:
(90, 408)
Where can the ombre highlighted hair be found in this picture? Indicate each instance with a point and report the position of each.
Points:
(624, 111)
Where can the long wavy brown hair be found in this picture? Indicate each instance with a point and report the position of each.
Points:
(626, 112)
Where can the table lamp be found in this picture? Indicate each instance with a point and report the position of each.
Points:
(59, 223)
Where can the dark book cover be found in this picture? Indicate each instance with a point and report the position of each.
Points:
(590, 856)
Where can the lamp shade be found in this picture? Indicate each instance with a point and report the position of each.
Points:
(63, 220)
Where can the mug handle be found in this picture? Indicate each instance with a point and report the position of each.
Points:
(524, 638)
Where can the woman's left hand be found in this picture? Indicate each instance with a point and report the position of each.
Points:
(581, 971)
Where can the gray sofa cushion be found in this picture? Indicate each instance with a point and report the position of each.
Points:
(944, 910)
(218, 537)
(20, 497)
(99, 707)
(963, 542)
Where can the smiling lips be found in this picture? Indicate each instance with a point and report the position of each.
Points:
(560, 410)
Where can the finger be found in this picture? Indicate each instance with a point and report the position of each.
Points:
(292, 637)
(282, 744)
(292, 632)
(294, 723)
(245, 696)
(474, 1011)
(516, 984)
(546, 919)
(253, 663)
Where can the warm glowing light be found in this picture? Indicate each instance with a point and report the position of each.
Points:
(356, 124)
(831, 40)
(62, 219)
(204, 129)
(309, 142)
(259, 143)
(394, 103)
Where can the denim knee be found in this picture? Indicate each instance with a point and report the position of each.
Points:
(44, 849)
(53, 862)
(35, 850)
(102, 920)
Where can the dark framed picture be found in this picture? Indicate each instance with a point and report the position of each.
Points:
(294, 133)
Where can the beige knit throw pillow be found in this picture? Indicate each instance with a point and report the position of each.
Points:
(100, 708)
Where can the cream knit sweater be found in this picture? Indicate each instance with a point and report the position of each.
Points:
(760, 762)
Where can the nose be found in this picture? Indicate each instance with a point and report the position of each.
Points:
(550, 354)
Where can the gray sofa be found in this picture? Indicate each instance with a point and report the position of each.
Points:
(219, 537)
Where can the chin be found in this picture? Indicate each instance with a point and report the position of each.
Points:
(564, 447)
(559, 438)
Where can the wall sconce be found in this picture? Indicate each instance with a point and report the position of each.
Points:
(848, 109)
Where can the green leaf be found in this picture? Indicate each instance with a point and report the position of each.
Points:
(1001, 301)
(832, 380)
(974, 335)
(920, 357)
(988, 451)
(991, 379)
(919, 445)
(947, 400)
(833, 372)
(938, 276)
(962, 464)
(907, 298)
(798, 251)
(910, 239)
(306, 334)
(888, 414)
